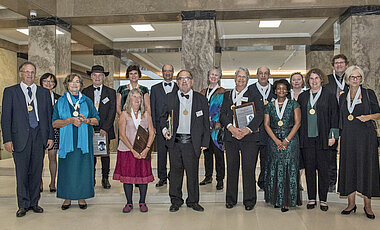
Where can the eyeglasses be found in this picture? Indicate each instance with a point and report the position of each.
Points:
(48, 81)
(355, 78)
(339, 63)
(168, 71)
(28, 72)
(264, 74)
(184, 79)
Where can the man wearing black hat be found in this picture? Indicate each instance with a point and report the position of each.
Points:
(104, 99)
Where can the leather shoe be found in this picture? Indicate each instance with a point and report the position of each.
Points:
(105, 183)
(219, 185)
(230, 205)
(21, 212)
(370, 216)
(249, 207)
(174, 208)
(196, 207)
(283, 209)
(37, 209)
(161, 183)
(65, 206)
(207, 180)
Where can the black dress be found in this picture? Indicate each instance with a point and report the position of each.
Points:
(359, 157)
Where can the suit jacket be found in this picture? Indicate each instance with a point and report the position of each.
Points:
(15, 118)
(332, 86)
(106, 110)
(226, 115)
(200, 125)
(263, 136)
(327, 117)
(158, 98)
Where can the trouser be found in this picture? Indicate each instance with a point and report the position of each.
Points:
(248, 152)
(332, 167)
(263, 165)
(162, 156)
(28, 165)
(183, 158)
(105, 165)
(316, 159)
(209, 161)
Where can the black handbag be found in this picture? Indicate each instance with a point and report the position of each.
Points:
(373, 122)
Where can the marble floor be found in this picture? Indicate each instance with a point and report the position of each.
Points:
(104, 211)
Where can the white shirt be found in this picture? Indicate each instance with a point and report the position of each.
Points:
(33, 87)
(97, 94)
(184, 121)
(167, 88)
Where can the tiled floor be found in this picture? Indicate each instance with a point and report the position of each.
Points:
(104, 211)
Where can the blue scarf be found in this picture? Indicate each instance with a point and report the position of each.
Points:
(66, 133)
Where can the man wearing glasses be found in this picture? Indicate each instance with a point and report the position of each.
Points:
(336, 86)
(27, 132)
(158, 96)
(190, 135)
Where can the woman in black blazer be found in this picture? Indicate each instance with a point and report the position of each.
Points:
(319, 130)
(49, 81)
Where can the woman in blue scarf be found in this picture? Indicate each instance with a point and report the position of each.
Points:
(75, 114)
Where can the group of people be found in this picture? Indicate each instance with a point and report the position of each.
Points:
(294, 126)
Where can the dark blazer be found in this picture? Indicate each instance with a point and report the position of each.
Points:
(263, 136)
(226, 116)
(15, 118)
(200, 125)
(327, 117)
(106, 111)
(158, 98)
(332, 86)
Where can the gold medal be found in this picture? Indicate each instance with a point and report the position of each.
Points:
(266, 102)
(185, 112)
(312, 111)
(30, 108)
(75, 113)
(232, 107)
(280, 123)
(350, 117)
(341, 92)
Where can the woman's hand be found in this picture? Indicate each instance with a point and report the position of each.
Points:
(284, 144)
(278, 143)
(136, 154)
(217, 125)
(144, 153)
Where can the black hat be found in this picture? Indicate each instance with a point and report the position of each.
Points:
(97, 69)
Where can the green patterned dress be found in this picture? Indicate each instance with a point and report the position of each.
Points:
(282, 169)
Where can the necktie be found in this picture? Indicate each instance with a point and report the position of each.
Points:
(33, 123)
(96, 88)
(168, 84)
(185, 96)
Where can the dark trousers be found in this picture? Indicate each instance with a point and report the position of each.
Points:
(248, 151)
(162, 156)
(29, 164)
(332, 167)
(263, 165)
(316, 159)
(219, 161)
(105, 165)
(182, 158)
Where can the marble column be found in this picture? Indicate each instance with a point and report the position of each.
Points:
(50, 48)
(198, 45)
(8, 73)
(110, 60)
(319, 56)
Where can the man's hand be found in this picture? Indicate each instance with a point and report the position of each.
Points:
(235, 132)
(167, 136)
(102, 133)
(331, 141)
(9, 146)
(203, 148)
(76, 121)
(50, 144)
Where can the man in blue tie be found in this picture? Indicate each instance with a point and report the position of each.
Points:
(27, 131)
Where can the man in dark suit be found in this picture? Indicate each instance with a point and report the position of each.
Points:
(27, 132)
(104, 99)
(190, 135)
(241, 141)
(158, 97)
(336, 86)
(262, 90)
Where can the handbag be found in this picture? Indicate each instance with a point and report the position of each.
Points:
(373, 122)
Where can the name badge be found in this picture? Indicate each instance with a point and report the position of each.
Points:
(245, 99)
(105, 100)
(199, 113)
